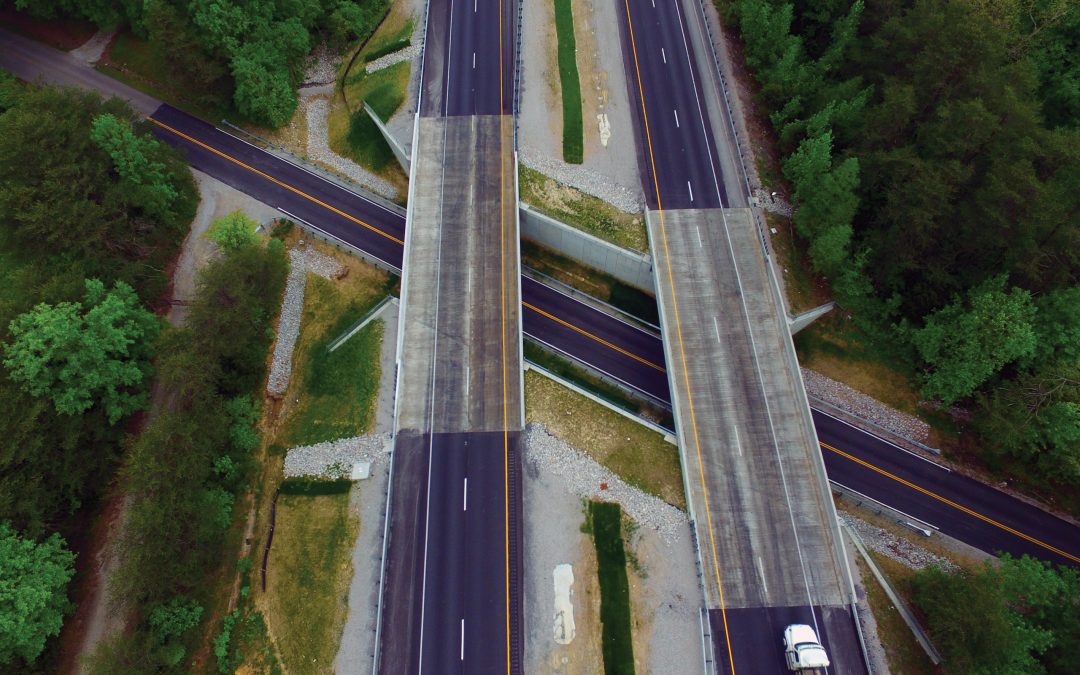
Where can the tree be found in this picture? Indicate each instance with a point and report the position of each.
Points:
(234, 231)
(977, 632)
(966, 343)
(80, 356)
(131, 158)
(33, 598)
(263, 89)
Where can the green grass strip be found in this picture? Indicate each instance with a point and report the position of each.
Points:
(616, 639)
(315, 488)
(573, 135)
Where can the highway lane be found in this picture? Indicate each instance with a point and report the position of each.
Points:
(960, 507)
(659, 63)
(613, 347)
(365, 224)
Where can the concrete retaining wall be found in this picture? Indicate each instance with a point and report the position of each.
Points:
(631, 268)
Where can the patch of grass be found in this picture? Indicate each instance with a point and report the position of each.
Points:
(610, 393)
(302, 487)
(339, 388)
(585, 212)
(906, 656)
(397, 28)
(386, 50)
(635, 453)
(308, 578)
(590, 281)
(617, 640)
(573, 125)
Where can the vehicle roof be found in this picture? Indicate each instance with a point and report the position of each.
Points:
(800, 632)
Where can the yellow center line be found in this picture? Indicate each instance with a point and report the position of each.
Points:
(952, 503)
(682, 348)
(272, 179)
(600, 340)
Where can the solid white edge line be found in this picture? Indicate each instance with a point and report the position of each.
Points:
(312, 173)
(599, 370)
(883, 440)
(869, 498)
(316, 227)
(590, 307)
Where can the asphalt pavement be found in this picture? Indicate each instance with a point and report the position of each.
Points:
(960, 507)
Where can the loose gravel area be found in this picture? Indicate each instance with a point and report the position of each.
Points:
(589, 182)
(586, 477)
(291, 308)
(866, 407)
(406, 54)
(321, 67)
(774, 203)
(332, 458)
(888, 544)
(319, 148)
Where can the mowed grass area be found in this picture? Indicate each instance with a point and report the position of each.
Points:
(308, 578)
(384, 91)
(585, 212)
(590, 281)
(615, 613)
(573, 125)
(638, 455)
(333, 395)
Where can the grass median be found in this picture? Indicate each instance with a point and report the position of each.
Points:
(617, 637)
(573, 126)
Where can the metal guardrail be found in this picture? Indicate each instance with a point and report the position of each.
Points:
(598, 398)
(933, 451)
(316, 233)
(341, 182)
(584, 297)
(899, 516)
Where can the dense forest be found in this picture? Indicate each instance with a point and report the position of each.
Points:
(933, 149)
(247, 52)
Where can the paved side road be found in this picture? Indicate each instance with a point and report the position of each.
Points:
(28, 59)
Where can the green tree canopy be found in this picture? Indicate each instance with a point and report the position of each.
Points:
(131, 157)
(967, 342)
(33, 593)
(80, 355)
(234, 231)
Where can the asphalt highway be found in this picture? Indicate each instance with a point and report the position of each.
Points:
(659, 63)
(958, 506)
(365, 224)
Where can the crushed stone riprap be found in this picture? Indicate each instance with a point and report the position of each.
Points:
(407, 54)
(320, 66)
(291, 308)
(580, 178)
(319, 149)
(888, 544)
(586, 478)
(334, 459)
(859, 404)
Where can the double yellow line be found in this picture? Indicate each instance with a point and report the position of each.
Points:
(275, 180)
(951, 503)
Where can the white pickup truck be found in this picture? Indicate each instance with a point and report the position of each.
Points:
(802, 649)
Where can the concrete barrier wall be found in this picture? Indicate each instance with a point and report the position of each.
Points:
(631, 268)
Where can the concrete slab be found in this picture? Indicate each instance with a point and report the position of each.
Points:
(766, 530)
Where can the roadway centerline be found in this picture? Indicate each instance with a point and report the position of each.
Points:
(951, 503)
(598, 339)
(274, 180)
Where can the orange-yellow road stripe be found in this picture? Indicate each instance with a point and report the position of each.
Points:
(952, 503)
(588, 334)
(271, 178)
(682, 349)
